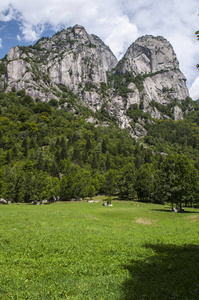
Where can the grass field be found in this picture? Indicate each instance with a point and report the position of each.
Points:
(88, 251)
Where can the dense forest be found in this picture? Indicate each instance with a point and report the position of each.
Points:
(51, 151)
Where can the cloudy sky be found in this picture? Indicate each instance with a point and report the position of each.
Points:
(117, 22)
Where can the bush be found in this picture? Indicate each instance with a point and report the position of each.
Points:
(42, 107)
(2, 68)
(53, 102)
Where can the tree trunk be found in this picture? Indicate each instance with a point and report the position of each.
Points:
(180, 203)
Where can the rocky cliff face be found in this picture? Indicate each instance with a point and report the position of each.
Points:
(146, 80)
(71, 57)
(155, 60)
(150, 72)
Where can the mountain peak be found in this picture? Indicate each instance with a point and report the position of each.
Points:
(148, 73)
(150, 54)
(78, 27)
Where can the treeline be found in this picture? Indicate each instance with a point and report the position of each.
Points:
(49, 152)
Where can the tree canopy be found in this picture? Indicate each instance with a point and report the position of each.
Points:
(49, 152)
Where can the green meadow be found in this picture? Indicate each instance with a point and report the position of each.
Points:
(80, 250)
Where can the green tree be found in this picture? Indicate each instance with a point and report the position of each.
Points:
(12, 186)
(63, 153)
(178, 180)
(111, 182)
(25, 146)
(145, 183)
(52, 191)
(82, 180)
(64, 189)
(104, 146)
(127, 181)
(91, 191)
(40, 186)
(1, 182)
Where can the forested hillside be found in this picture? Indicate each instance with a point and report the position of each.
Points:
(75, 122)
(49, 151)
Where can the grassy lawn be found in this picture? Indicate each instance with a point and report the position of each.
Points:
(88, 251)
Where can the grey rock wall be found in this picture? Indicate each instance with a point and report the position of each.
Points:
(80, 61)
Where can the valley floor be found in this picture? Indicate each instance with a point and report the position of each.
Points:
(81, 250)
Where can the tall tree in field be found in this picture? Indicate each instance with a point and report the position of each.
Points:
(178, 180)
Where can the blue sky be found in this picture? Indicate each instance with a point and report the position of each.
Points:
(10, 36)
(117, 22)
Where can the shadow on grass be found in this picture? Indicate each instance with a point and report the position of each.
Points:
(171, 211)
(171, 272)
(164, 210)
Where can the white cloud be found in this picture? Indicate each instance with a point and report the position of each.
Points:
(175, 20)
(122, 35)
(194, 90)
(7, 13)
(0, 43)
(19, 38)
(31, 32)
(117, 22)
(103, 18)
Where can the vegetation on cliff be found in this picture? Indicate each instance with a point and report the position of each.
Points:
(49, 152)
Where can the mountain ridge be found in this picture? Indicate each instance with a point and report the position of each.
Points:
(146, 78)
